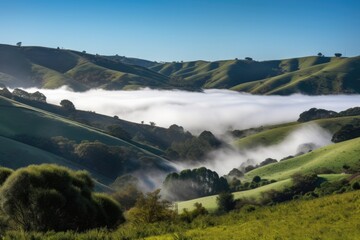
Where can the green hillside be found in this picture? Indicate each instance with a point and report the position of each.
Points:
(52, 68)
(341, 75)
(332, 157)
(274, 134)
(210, 204)
(309, 75)
(18, 120)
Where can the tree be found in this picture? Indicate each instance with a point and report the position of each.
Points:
(236, 173)
(153, 124)
(21, 93)
(190, 216)
(248, 59)
(256, 179)
(150, 208)
(338, 54)
(314, 113)
(225, 202)
(38, 96)
(99, 156)
(19, 44)
(67, 105)
(320, 54)
(127, 196)
(119, 132)
(49, 197)
(346, 132)
(268, 161)
(5, 93)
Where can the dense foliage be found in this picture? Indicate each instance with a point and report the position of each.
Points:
(314, 113)
(189, 184)
(150, 208)
(49, 197)
(195, 148)
(347, 132)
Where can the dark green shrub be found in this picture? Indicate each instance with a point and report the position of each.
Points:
(355, 186)
(225, 202)
(48, 197)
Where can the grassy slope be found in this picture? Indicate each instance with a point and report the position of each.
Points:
(330, 217)
(18, 118)
(209, 202)
(332, 157)
(274, 134)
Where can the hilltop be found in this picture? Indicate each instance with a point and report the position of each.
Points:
(52, 68)
(311, 75)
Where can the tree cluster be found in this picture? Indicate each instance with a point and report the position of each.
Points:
(19, 93)
(314, 113)
(189, 184)
(107, 160)
(195, 148)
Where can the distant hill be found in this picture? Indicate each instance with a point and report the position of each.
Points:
(309, 75)
(52, 68)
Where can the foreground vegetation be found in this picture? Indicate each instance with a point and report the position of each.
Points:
(330, 217)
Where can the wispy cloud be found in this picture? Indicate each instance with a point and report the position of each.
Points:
(225, 159)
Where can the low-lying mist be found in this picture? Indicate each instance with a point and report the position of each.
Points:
(217, 111)
(301, 140)
(213, 110)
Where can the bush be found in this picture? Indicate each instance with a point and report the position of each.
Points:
(110, 214)
(67, 105)
(225, 202)
(150, 208)
(355, 186)
(48, 197)
(190, 216)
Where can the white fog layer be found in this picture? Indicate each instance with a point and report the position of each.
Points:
(224, 160)
(214, 110)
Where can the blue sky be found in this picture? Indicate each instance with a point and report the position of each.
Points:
(186, 29)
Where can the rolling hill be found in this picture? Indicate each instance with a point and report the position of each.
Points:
(18, 120)
(309, 75)
(52, 68)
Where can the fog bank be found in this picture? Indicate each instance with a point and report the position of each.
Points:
(223, 160)
(214, 110)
